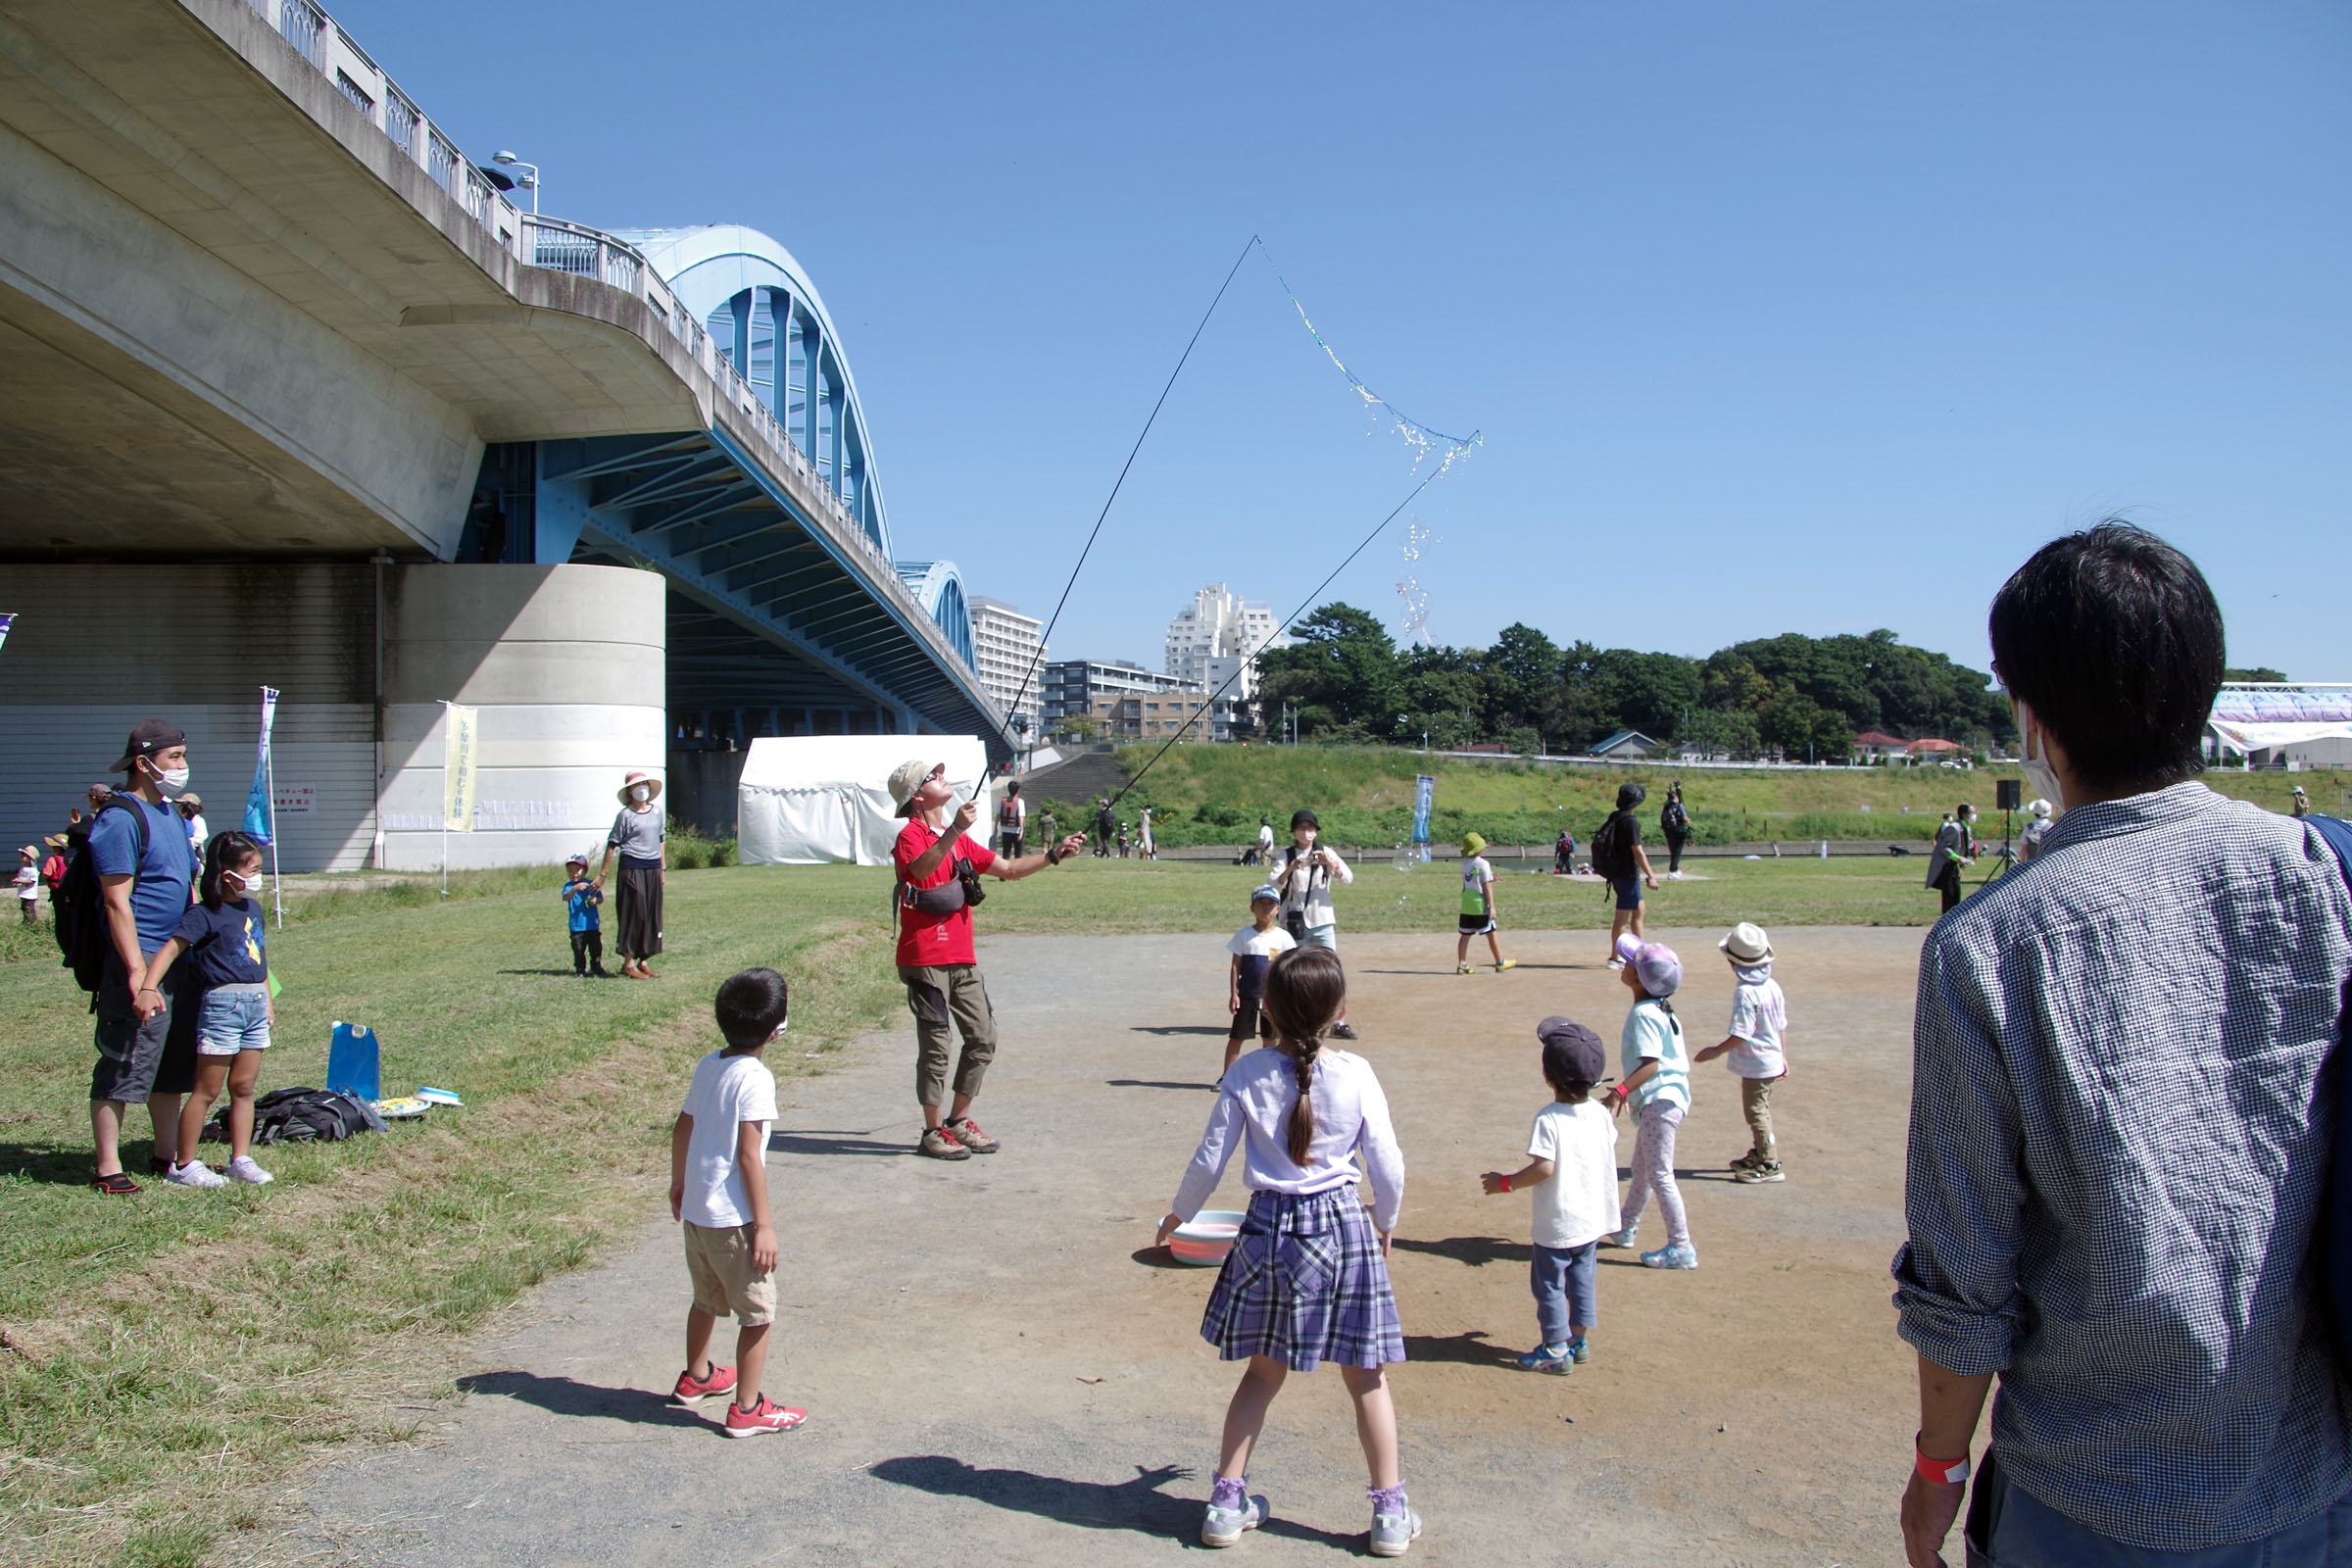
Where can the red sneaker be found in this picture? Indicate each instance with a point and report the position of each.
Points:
(691, 1389)
(765, 1416)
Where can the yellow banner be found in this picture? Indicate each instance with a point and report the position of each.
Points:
(458, 770)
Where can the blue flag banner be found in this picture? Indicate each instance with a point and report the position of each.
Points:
(1425, 791)
(6, 621)
(259, 818)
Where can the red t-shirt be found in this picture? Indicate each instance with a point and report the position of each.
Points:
(935, 939)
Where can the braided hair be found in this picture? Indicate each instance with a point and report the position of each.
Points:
(1304, 990)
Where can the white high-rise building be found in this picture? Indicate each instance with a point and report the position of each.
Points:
(1005, 647)
(1220, 630)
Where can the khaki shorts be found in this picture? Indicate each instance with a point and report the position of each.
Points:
(719, 1262)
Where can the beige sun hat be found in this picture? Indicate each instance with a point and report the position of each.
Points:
(1747, 943)
(906, 778)
(653, 784)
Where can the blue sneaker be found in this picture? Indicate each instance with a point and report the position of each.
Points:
(1552, 1359)
(1222, 1527)
(1680, 1254)
(1579, 1351)
(1623, 1238)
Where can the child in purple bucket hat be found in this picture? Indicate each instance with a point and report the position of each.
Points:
(1656, 1063)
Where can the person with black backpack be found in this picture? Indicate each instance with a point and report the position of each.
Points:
(1674, 822)
(120, 902)
(1619, 859)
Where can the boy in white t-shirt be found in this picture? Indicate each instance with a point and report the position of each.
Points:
(1759, 1020)
(1253, 947)
(718, 1194)
(1477, 906)
(1572, 1177)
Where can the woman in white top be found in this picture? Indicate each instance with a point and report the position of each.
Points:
(1307, 1278)
(1305, 871)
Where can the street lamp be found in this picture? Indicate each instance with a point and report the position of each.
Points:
(528, 181)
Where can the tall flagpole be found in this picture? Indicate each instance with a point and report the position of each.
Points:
(277, 883)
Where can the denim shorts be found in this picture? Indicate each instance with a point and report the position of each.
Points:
(234, 1018)
(1629, 891)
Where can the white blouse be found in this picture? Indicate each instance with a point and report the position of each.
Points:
(1353, 1139)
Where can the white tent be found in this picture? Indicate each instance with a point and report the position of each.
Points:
(807, 800)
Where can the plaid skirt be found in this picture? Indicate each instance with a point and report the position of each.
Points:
(1305, 1283)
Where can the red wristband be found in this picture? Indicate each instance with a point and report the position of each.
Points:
(1944, 1472)
(1506, 1184)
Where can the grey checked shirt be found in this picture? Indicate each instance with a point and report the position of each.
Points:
(2117, 1151)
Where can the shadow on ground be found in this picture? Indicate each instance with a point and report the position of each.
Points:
(1138, 1505)
(1217, 1029)
(1466, 1349)
(1154, 1083)
(829, 1141)
(569, 1397)
(1475, 1251)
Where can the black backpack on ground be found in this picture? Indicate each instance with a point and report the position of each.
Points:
(79, 904)
(301, 1116)
(1612, 856)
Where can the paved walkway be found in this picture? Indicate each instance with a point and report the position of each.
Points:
(996, 1373)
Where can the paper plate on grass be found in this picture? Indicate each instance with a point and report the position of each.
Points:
(399, 1107)
(1206, 1238)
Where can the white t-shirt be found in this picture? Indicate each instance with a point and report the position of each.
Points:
(1579, 1203)
(726, 1092)
(1354, 1141)
(1759, 1018)
(29, 883)
(1476, 874)
(1257, 950)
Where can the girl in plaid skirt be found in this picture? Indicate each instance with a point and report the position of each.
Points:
(1308, 1279)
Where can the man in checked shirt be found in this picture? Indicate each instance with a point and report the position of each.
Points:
(2117, 1136)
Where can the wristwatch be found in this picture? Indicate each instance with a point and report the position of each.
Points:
(1944, 1472)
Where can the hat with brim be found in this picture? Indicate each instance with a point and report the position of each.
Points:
(56, 841)
(1656, 965)
(189, 798)
(580, 861)
(1473, 844)
(906, 779)
(153, 735)
(1571, 1050)
(1268, 893)
(1747, 943)
(653, 787)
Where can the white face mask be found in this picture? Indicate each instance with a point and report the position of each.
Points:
(171, 780)
(2040, 778)
(641, 793)
(243, 885)
(1303, 837)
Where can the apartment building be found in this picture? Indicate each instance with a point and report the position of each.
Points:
(1008, 650)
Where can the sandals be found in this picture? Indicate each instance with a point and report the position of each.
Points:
(118, 1185)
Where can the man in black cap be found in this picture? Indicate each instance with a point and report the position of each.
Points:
(140, 850)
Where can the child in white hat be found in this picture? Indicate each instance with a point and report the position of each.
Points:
(1759, 1020)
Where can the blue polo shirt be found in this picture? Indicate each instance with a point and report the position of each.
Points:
(160, 895)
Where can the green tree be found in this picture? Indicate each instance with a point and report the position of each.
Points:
(1341, 673)
(1521, 672)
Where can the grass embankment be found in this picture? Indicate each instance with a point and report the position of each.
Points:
(170, 1359)
(1205, 794)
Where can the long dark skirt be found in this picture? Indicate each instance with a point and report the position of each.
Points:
(640, 915)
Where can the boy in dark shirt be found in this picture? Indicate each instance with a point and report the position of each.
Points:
(581, 896)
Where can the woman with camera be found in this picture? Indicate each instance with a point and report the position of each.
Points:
(1304, 871)
(939, 882)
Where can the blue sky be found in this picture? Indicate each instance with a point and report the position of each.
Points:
(1806, 317)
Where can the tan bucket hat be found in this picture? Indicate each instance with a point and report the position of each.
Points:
(906, 778)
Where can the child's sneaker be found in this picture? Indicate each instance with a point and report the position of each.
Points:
(1678, 1255)
(765, 1416)
(1507, 963)
(1461, 968)
(1622, 1239)
(1552, 1359)
(691, 1389)
(1763, 1171)
(196, 1173)
(243, 1169)
(941, 1144)
(966, 1132)
(1579, 1351)
(1223, 1527)
(1394, 1533)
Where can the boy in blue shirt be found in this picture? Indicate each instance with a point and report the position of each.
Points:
(581, 896)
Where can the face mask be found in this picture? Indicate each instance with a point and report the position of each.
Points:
(171, 780)
(1304, 837)
(640, 794)
(2040, 779)
(242, 886)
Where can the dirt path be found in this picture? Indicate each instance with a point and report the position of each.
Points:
(992, 1373)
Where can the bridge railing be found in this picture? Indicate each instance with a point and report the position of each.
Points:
(536, 241)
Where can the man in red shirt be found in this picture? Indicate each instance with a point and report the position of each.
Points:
(936, 962)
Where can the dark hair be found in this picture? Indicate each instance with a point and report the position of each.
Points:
(1303, 992)
(1013, 788)
(2113, 638)
(1630, 796)
(750, 1006)
(224, 852)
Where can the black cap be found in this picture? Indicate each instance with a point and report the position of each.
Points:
(1572, 1052)
(1630, 796)
(1302, 814)
(152, 736)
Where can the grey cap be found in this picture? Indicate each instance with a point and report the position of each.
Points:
(1571, 1052)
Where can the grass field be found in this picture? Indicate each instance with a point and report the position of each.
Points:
(1215, 794)
(168, 1360)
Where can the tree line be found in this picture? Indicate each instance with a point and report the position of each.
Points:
(1795, 696)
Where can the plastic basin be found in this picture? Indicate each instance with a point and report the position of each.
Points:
(1204, 1240)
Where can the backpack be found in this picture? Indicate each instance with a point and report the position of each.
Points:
(53, 870)
(79, 925)
(1611, 857)
(301, 1116)
(2332, 1238)
(1674, 820)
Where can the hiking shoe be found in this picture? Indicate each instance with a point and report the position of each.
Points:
(1507, 963)
(966, 1132)
(1552, 1359)
(691, 1389)
(1394, 1533)
(119, 1185)
(941, 1144)
(1461, 968)
(1579, 1351)
(765, 1416)
(1223, 1527)
(1343, 1031)
(1678, 1255)
(1623, 1238)
(243, 1169)
(1743, 1162)
(1766, 1170)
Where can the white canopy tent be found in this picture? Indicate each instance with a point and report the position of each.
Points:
(809, 800)
(2250, 718)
